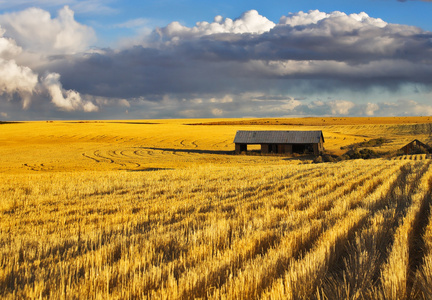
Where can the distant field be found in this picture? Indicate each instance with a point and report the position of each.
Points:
(324, 121)
(163, 209)
(137, 145)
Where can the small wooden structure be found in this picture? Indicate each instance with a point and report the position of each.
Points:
(415, 147)
(281, 142)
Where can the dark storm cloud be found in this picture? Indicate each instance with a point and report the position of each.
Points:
(345, 50)
(145, 72)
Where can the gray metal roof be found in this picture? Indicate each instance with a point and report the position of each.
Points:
(278, 137)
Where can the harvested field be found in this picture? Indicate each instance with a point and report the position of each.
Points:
(108, 210)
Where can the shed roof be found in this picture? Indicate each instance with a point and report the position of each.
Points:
(278, 137)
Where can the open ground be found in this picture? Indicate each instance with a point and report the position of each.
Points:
(163, 209)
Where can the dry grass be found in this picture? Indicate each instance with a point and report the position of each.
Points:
(321, 121)
(193, 221)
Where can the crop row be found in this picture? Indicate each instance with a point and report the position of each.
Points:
(350, 229)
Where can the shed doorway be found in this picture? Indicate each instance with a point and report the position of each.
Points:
(303, 148)
(272, 148)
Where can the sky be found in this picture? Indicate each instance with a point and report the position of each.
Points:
(148, 59)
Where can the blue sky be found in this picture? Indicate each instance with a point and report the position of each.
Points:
(72, 59)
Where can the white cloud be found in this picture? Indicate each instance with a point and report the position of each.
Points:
(124, 102)
(301, 18)
(341, 107)
(224, 99)
(217, 112)
(195, 101)
(371, 108)
(402, 107)
(250, 22)
(336, 20)
(8, 47)
(3, 114)
(291, 104)
(15, 79)
(67, 100)
(411, 107)
(37, 32)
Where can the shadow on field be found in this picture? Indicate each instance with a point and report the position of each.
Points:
(150, 169)
(2, 122)
(300, 157)
(134, 123)
(218, 152)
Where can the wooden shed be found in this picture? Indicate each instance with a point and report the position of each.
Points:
(415, 147)
(281, 142)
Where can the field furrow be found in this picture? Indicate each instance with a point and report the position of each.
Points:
(273, 232)
(395, 277)
(356, 273)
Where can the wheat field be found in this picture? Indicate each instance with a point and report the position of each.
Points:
(163, 210)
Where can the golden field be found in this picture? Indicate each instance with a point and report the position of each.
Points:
(161, 209)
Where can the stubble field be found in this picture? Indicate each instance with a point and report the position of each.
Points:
(161, 209)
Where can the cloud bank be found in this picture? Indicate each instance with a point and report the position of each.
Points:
(309, 63)
(36, 31)
(40, 38)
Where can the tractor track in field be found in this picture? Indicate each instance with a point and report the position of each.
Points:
(98, 154)
(92, 158)
(117, 157)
